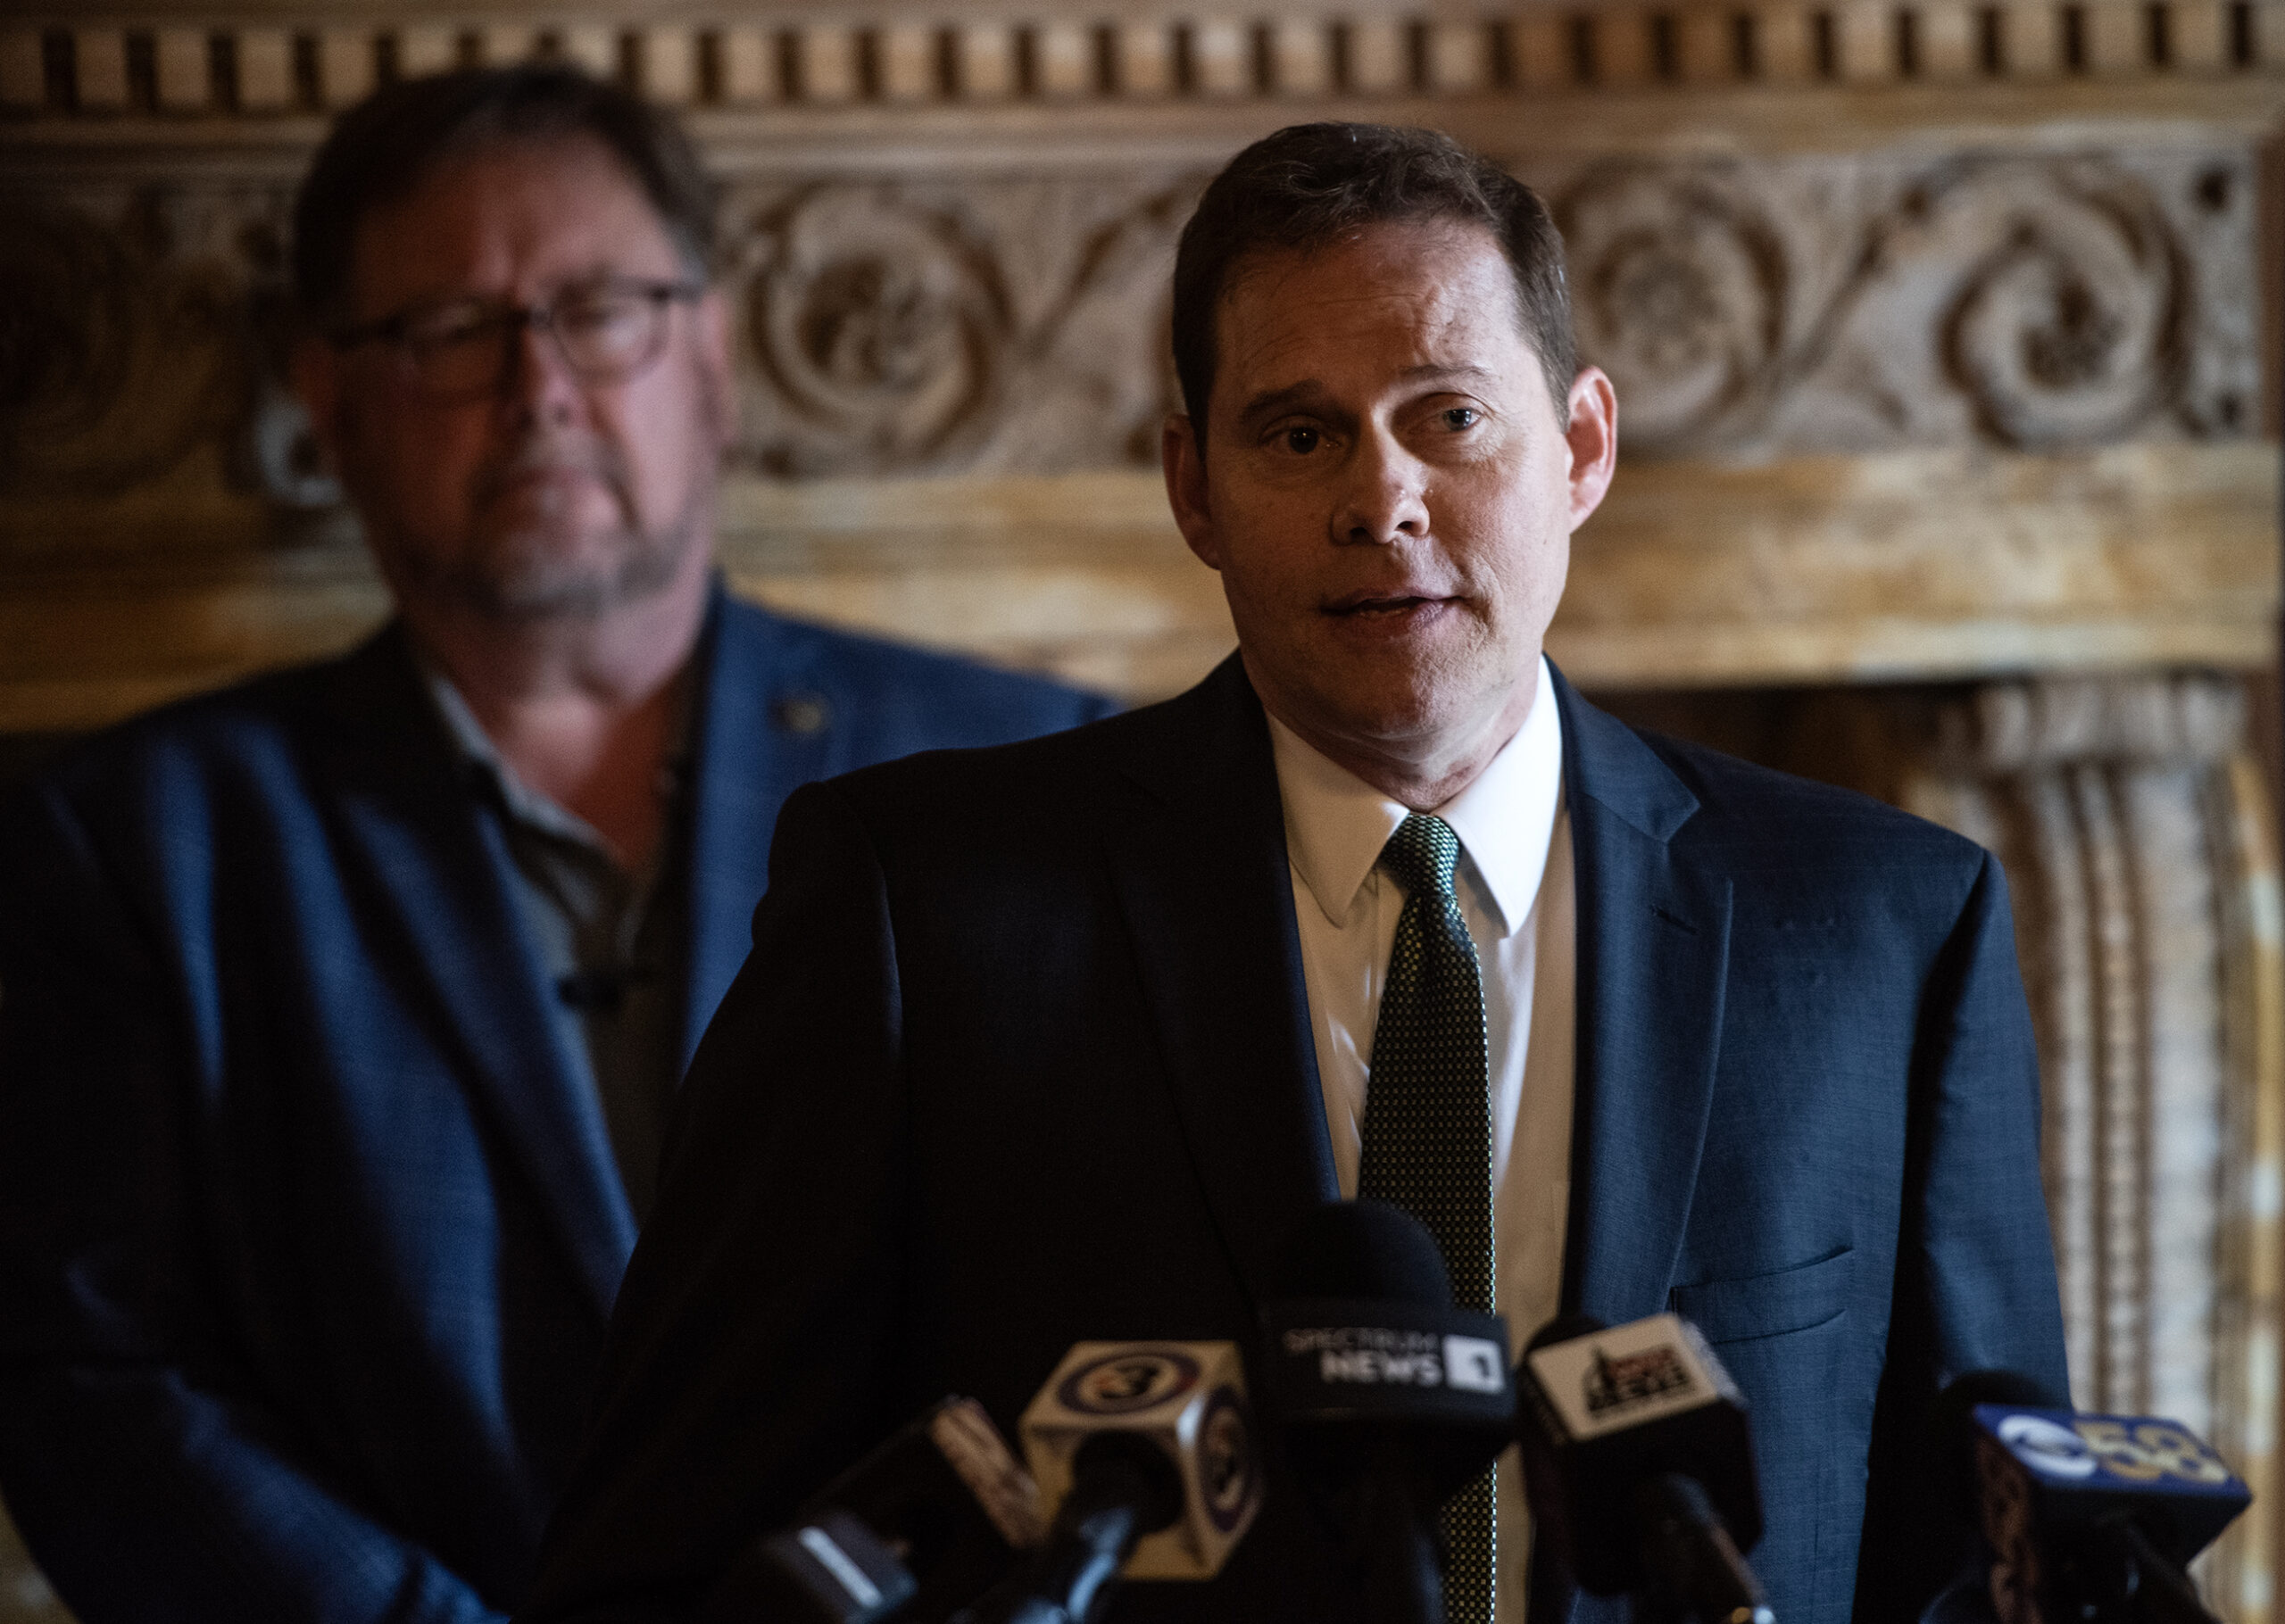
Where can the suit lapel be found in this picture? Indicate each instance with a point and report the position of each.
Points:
(1197, 849)
(442, 875)
(744, 766)
(1197, 855)
(1653, 956)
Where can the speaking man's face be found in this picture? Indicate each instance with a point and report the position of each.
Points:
(1386, 487)
(528, 485)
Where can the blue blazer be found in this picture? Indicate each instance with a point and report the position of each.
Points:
(309, 1229)
(1022, 1056)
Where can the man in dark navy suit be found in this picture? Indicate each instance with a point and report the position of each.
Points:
(342, 1009)
(1060, 1041)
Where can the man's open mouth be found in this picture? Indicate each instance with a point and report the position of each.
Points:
(1393, 604)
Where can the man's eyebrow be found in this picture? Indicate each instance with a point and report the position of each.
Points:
(1311, 392)
(1438, 369)
(1308, 391)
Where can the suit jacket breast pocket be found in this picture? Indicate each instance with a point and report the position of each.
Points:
(1798, 1297)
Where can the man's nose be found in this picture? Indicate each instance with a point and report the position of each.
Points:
(1385, 499)
(536, 379)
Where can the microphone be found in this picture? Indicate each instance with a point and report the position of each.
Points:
(1389, 1399)
(913, 1530)
(1146, 1454)
(2088, 1518)
(829, 1569)
(1638, 1463)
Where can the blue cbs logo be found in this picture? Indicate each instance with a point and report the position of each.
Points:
(2065, 1448)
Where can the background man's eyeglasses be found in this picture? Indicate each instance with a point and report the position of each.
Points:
(464, 348)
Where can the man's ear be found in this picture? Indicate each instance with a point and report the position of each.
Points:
(1593, 436)
(1183, 459)
(721, 379)
(315, 368)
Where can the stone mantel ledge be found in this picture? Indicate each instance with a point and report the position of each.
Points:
(1697, 573)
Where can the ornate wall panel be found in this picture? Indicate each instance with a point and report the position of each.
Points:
(2023, 300)
(1947, 414)
(1937, 329)
(2136, 834)
(2030, 300)
(985, 328)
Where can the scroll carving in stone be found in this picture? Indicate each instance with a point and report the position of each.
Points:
(1016, 324)
(139, 326)
(122, 344)
(878, 328)
(1830, 304)
(2067, 327)
(997, 327)
(1680, 287)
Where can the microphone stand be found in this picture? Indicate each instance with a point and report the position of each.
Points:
(1122, 1490)
(2121, 1578)
(1403, 1569)
(1701, 1573)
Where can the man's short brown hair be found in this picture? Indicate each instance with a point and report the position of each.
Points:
(1310, 185)
(383, 147)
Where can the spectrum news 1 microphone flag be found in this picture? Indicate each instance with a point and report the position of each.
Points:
(1389, 1399)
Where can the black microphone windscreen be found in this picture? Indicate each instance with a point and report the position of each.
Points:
(1364, 1249)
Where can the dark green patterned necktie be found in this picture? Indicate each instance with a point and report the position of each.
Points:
(1428, 1132)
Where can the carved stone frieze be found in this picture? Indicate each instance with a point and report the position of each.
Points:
(127, 332)
(989, 327)
(1682, 286)
(999, 324)
(2034, 301)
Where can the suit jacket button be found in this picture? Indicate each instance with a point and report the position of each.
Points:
(801, 714)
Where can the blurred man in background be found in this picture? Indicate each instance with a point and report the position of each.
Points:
(339, 1011)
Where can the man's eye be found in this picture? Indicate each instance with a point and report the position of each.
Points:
(602, 313)
(1462, 416)
(457, 325)
(1302, 441)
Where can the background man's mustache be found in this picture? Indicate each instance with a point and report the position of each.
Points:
(552, 455)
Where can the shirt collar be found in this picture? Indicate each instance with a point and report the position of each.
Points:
(481, 755)
(1336, 824)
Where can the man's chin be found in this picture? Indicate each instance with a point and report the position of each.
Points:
(1404, 692)
(1383, 722)
(1401, 713)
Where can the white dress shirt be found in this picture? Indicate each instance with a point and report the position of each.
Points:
(1514, 890)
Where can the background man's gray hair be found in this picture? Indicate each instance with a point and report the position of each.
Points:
(383, 148)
